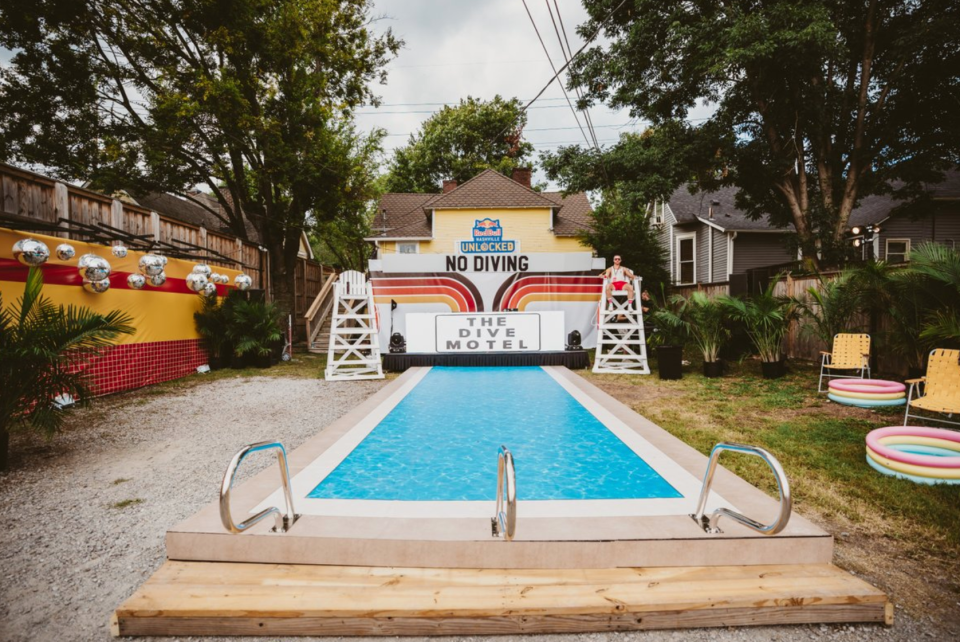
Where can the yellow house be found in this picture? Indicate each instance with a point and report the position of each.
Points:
(489, 214)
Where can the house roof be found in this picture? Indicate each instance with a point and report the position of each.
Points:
(688, 208)
(407, 215)
(187, 211)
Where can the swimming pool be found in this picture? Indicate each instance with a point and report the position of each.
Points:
(431, 451)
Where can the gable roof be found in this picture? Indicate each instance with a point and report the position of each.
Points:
(692, 208)
(491, 189)
(406, 216)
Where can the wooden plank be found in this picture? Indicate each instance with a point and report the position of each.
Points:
(207, 598)
(501, 625)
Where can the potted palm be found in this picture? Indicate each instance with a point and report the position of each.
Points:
(669, 335)
(766, 318)
(212, 322)
(254, 328)
(40, 346)
(704, 320)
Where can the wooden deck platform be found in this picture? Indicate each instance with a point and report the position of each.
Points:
(219, 598)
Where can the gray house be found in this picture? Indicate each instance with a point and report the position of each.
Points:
(707, 240)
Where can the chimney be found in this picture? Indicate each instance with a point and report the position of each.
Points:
(522, 175)
(713, 204)
(449, 186)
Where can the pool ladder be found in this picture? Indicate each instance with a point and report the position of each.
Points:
(504, 522)
(709, 524)
(284, 519)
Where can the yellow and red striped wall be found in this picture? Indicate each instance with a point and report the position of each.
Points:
(165, 346)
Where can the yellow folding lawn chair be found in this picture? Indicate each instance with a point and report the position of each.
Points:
(850, 352)
(941, 387)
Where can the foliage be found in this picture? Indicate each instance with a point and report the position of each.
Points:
(212, 322)
(766, 318)
(665, 313)
(253, 327)
(41, 347)
(253, 98)
(702, 318)
(819, 103)
(830, 307)
(620, 230)
(933, 275)
(459, 142)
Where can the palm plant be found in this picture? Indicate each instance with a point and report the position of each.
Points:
(830, 307)
(702, 319)
(935, 271)
(212, 323)
(766, 318)
(254, 327)
(41, 347)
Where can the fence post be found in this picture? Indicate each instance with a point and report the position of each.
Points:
(61, 206)
(792, 330)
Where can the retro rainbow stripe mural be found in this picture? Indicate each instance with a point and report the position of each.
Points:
(520, 291)
(452, 290)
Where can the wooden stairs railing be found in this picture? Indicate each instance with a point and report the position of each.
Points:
(318, 317)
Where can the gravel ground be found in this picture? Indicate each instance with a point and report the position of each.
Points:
(85, 514)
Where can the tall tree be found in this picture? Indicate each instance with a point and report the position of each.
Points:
(457, 143)
(819, 102)
(253, 98)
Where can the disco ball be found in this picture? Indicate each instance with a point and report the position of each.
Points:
(31, 252)
(224, 279)
(151, 264)
(214, 277)
(93, 267)
(202, 268)
(196, 282)
(65, 252)
(119, 251)
(210, 289)
(163, 260)
(96, 287)
(243, 282)
(156, 280)
(136, 281)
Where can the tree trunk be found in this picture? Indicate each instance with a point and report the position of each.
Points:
(4, 449)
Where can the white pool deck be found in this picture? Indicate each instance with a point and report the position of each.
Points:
(549, 534)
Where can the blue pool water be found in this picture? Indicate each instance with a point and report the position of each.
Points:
(440, 444)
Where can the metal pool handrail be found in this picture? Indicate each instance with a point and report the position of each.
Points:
(709, 525)
(504, 523)
(283, 520)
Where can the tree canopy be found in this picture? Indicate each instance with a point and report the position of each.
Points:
(819, 103)
(252, 98)
(459, 142)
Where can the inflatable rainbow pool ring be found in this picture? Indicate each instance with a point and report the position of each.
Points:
(922, 455)
(867, 393)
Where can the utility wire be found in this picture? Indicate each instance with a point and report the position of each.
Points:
(554, 67)
(567, 64)
(566, 57)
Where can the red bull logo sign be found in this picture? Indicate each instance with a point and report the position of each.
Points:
(488, 239)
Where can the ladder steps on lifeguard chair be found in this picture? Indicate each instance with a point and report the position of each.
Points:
(621, 339)
(354, 348)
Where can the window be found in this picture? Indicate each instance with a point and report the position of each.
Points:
(686, 259)
(898, 250)
(408, 248)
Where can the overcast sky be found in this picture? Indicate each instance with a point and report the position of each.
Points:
(481, 48)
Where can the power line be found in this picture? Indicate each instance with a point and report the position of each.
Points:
(554, 67)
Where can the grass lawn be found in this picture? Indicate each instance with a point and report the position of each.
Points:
(903, 536)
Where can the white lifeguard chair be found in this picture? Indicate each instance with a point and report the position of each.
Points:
(621, 339)
(354, 351)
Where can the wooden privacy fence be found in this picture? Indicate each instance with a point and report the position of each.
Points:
(27, 196)
(803, 344)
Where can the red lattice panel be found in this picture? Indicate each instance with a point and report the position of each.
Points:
(135, 365)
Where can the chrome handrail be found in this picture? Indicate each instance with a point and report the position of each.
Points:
(283, 520)
(709, 525)
(504, 523)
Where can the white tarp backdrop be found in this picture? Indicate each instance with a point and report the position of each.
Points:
(443, 283)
